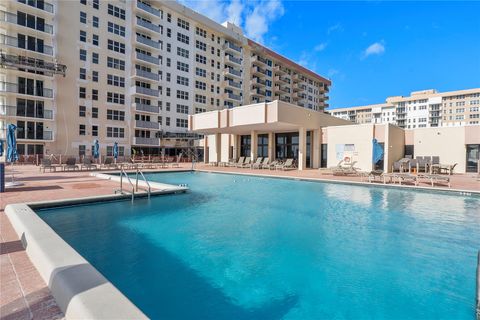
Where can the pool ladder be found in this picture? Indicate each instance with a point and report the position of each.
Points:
(134, 187)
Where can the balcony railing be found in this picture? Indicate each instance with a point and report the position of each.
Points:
(37, 135)
(146, 108)
(258, 92)
(234, 84)
(147, 58)
(42, 5)
(147, 74)
(232, 46)
(259, 82)
(12, 18)
(148, 9)
(258, 59)
(234, 96)
(11, 111)
(145, 91)
(234, 60)
(256, 70)
(148, 42)
(31, 91)
(147, 124)
(282, 79)
(22, 62)
(148, 25)
(13, 42)
(146, 141)
(233, 72)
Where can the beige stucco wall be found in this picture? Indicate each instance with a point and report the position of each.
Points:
(394, 146)
(358, 135)
(448, 143)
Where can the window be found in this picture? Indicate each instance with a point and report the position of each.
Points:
(121, 151)
(182, 52)
(169, 17)
(201, 72)
(114, 132)
(116, 46)
(167, 121)
(95, 39)
(201, 85)
(201, 45)
(200, 110)
(183, 38)
(200, 98)
(182, 66)
(116, 29)
(115, 63)
(95, 57)
(114, 80)
(95, 22)
(95, 131)
(82, 130)
(116, 11)
(95, 4)
(82, 111)
(95, 112)
(114, 97)
(83, 55)
(182, 95)
(82, 93)
(169, 47)
(94, 94)
(81, 150)
(83, 73)
(83, 36)
(95, 76)
(182, 109)
(83, 17)
(201, 32)
(183, 24)
(200, 59)
(182, 123)
(182, 80)
(115, 115)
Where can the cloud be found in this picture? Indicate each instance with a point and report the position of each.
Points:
(320, 47)
(376, 48)
(332, 72)
(336, 27)
(253, 16)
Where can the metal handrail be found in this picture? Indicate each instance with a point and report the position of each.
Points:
(144, 179)
(122, 173)
(477, 302)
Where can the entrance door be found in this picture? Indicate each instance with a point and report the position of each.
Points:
(473, 156)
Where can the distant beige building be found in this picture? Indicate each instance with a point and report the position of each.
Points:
(131, 71)
(422, 109)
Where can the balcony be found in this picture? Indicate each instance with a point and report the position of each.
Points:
(233, 60)
(144, 91)
(31, 91)
(282, 79)
(233, 84)
(148, 25)
(45, 135)
(147, 58)
(148, 9)
(259, 60)
(41, 5)
(12, 18)
(280, 70)
(148, 42)
(233, 72)
(296, 87)
(257, 92)
(140, 107)
(232, 96)
(147, 124)
(11, 111)
(146, 74)
(146, 141)
(13, 42)
(257, 82)
(231, 47)
(259, 72)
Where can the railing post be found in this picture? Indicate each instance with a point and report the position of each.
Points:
(136, 182)
(121, 181)
(477, 305)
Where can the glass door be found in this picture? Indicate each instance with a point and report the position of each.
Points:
(473, 156)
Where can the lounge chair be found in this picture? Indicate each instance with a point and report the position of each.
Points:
(404, 177)
(257, 163)
(47, 164)
(265, 162)
(88, 164)
(240, 162)
(448, 169)
(287, 165)
(272, 164)
(108, 164)
(345, 169)
(435, 178)
(245, 164)
(176, 164)
(374, 174)
(70, 164)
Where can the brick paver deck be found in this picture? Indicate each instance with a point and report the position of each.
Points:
(23, 293)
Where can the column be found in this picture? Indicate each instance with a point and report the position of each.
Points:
(316, 148)
(205, 149)
(218, 147)
(254, 145)
(271, 146)
(302, 148)
(234, 138)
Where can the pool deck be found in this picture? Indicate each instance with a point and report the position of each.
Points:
(24, 294)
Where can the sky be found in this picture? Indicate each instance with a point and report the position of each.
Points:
(370, 50)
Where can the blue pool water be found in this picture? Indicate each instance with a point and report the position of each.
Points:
(239, 247)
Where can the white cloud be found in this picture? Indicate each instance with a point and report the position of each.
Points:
(336, 27)
(254, 16)
(320, 47)
(376, 48)
(332, 72)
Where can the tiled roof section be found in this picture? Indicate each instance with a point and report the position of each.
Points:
(287, 61)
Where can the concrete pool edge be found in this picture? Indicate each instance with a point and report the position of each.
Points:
(115, 176)
(79, 289)
(462, 192)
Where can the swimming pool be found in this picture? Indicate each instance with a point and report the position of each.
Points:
(244, 247)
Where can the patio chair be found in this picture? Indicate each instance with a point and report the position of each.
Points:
(374, 174)
(245, 164)
(265, 162)
(448, 169)
(287, 165)
(435, 178)
(47, 164)
(88, 164)
(108, 164)
(257, 163)
(71, 163)
(240, 162)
